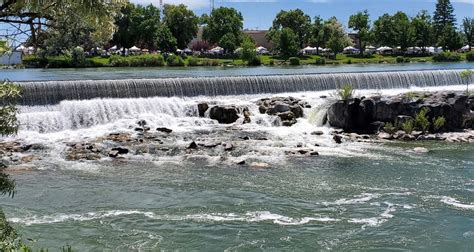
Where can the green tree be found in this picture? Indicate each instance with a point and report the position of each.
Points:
(223, 21)
(360, 22)
(3, 46)
(450, 39)
(443, 16)
(165, 41)
(182, 22)
(383, 30)
(229, 42)
(296, 20)
(403, 31)
(468, 28)
(287, 43)
(338, 38)
(249, 54)
(317, 37)
(423, 29)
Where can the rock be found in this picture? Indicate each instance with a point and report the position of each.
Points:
(142, 123)
(245, 138)
(287, 118)
(121, 150)
(241, 162)
(258, 165)
(337, 139)
(202, 108)
(228, 146)
(113, 154)
(247, 115)
(29, 159)
(209, 145)
(192, 145)
(224, 115)
(317, 133)
(164, 130)
(277, 105)
(421, 150)
(385, 136)
(314, 153)
(139, 129)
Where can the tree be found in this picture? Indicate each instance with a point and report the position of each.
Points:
(223, 21)
(468, 28)
(443, 16)
(182, 23)
(287, 43)
(317, 37)
(422, 29)
(360, 22)
(249, 54)
(402, 31)
(30, 17)
(296, 20)
(383, 31)
(165, 40)
(450, 39)
(229, 42)
(338, 38)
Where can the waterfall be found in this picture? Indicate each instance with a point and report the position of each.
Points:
(53, 92)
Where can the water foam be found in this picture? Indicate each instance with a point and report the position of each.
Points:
(456, 203)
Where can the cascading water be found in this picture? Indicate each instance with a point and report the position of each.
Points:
(53, 92)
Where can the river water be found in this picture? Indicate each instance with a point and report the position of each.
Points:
(353, 196)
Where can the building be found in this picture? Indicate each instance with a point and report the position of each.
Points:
(260, 38)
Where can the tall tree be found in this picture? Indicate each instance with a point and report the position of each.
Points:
(296, 20)
(383, 31)
(221, 22)
(182, 22)
(450, 39)
(423, 29)
(402, 30)
(287, 43)
(338, 38)
(443, 16)
(468, 28)
(317, 37)
(360, 22)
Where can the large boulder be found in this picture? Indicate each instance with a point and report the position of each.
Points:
(202, 108)
(288, 109)
(224, 114)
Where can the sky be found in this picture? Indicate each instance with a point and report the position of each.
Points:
(259, 14)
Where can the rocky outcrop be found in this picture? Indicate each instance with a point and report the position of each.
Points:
(288, 109)
(202, 108)
(367, 115)
(224, 114)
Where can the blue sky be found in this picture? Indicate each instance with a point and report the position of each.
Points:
(260, 13)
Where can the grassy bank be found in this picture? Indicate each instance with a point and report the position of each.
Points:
(155, 60)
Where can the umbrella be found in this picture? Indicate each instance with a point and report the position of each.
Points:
(134, 48)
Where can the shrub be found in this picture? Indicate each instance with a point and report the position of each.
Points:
(408, 126)
(78, 57)
(210, 62)
(345, 93)
(271, 62)
(470, 56)
(400, 59)
(447, 57)
(320, 61)
(255, 62)
(193, 61)
(421, 120)
(174, 60)
(137, 61)
(59, 62)
(466, 74)
(438, 123)
(294, 61)
(390, 128)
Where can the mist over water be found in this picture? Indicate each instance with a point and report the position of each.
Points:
(353, 196)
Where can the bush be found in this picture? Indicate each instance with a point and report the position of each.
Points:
(421, 120)
(271, 62)
(59, 62)
(447, 57)
(400, 59)
(438, 123)
(408, 126)
(345, 93)
(349, 61)
(193, 61)
(78, 57)
(320, 61)
(255, 62)
(294, 61)
(210, 62)
(470, 56)
(174, 60)
(148, 60)
(390, 128)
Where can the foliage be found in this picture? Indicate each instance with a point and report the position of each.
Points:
(294, 61)
(408, 126)
(316, 36)
(447, 57)
(182, 23)
(450, 38)
(337, 37)
(438, 123)
(390, 128)
(165, 40)
(422, 29)
(402, 31)
(320, 61)
(78, 57)
(229, 42)
(466, 74)
(345, 93)
(443, 17)
(223, 21)
(296, 20)
(470, 56)
(468, 29)
(148, 60)
(3, 46)
(383, 30)
(174, 60)
(421, 120)
(287, 43)
(9, 92)
(249, 54)
(360, 22)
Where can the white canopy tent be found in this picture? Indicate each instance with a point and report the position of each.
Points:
(113, 48)
(465, 48)
(217, 50)
(134, 49)
(385, 50)
(261, 50)
(309, 50)
(350, 50)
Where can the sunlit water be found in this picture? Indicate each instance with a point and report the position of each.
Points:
(353, 196)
